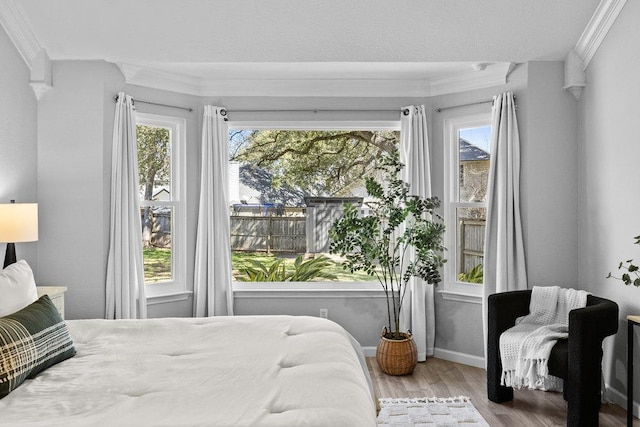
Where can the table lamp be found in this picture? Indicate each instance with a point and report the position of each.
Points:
(18, 223)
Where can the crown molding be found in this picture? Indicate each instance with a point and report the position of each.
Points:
(40, 88)
(292, 87)
(148, 77)
(41, 74)
(492, 75)
(17, 28)
(597, 29)
(15, 24)
(575, 79)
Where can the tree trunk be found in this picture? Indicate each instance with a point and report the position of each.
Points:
(147, 218)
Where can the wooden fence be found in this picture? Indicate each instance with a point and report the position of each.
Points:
(290, 230)
(268, 234)
(470, 243)
(160, 228)
(320, 219)
(310, 234)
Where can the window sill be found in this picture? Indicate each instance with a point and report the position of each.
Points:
(467, 297)
(307, 290)
(168, 297)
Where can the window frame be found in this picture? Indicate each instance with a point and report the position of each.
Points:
(453, 288)
(177, 127)
(277, 288)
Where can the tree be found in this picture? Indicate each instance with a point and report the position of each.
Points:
(261, 180)
(318, 163)
(154, 167)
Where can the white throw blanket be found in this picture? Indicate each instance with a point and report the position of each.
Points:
(525, 348)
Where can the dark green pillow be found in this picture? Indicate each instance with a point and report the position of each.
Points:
(31, 340)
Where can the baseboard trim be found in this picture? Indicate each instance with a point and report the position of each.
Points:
(457, 357)
(452, 356)
(614, 395)
(611, 394)
(369, 351)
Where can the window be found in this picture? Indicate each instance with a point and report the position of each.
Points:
(286, 188)
(161, 143)
(467, 157)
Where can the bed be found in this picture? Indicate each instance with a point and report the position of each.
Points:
(221, 371)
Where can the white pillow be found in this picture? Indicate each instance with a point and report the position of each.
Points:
(17, 288)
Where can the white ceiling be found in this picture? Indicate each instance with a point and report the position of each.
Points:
(204, 40)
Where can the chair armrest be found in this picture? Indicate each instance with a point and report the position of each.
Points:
(504, 308)
(593, 323)
(588, 327)
(502, 311)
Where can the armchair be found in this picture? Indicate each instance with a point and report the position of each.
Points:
(577, 360)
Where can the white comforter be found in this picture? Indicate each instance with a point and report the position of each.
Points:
(222, 371)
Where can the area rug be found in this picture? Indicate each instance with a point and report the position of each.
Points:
(429, 412)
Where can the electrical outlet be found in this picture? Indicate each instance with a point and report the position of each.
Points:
(324, 313)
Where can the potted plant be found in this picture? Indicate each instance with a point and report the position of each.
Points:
(400, 237)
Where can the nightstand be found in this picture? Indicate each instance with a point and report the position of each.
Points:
(56, 294)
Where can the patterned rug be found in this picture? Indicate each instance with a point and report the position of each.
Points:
(429, 412)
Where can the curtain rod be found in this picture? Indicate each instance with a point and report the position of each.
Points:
(441, 109)
(189, 109)
(405, 111)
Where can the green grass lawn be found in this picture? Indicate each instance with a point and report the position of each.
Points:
(239, 260)
(157, 265)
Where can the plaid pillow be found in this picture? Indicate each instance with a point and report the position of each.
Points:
(31, 340)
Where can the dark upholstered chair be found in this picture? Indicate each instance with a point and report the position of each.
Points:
(577, 360)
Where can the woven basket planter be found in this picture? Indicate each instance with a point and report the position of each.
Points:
(396, 357)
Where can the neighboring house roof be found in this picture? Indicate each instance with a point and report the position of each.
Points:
(470, 152)
(162, 193)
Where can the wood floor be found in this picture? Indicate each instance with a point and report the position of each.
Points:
(441, 378)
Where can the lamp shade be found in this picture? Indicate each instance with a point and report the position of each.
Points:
(18, 222)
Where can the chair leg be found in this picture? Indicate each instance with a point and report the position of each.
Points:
(500, 394)
(583, 413)
(583, 403)
(496, 392)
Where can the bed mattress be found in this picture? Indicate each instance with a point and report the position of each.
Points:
(221, 371)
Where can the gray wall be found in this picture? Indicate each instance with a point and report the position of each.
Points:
(74, 131)
(74, 167)
(608, 179)
(363, 316)
(75, 122)
(549, 178)
(459, 324)
(548, 137)
(18, 138)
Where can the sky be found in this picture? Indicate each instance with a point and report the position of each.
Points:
(480, 137)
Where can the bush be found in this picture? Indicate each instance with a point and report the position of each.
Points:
(303, 270)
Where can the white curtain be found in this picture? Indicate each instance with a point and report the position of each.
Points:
(125, 298)
(212, 278)
(418, 309)
(504, 258)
